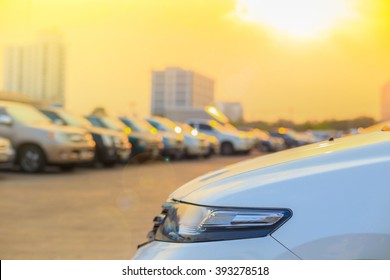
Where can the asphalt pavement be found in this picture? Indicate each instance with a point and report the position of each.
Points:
(89, 213)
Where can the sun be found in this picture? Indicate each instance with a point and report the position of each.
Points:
(298, 18)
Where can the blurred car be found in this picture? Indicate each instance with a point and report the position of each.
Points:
(122, 144)
(7, 153)
(195, 143)
(231, 140)
(291, 138)
(215, 146)
(265, 142)
(381, 126)
(143, 137)
(38, 142)
(173, 139)
(108, 143)
(327, 200)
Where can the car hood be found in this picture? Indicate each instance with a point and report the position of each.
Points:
(274, 180)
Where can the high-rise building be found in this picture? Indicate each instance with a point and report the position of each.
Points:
(233, 110)
(178, 89)
(385, 102)
(37, 70)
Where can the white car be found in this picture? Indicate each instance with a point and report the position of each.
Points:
(231, 140)
(328, 200)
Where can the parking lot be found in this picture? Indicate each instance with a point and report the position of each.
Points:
(89, 213)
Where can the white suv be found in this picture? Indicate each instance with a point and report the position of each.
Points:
(231, 140)
(328, 200)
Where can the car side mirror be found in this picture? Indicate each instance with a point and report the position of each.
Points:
(5, 120)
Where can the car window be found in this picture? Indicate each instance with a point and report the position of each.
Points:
(205, 127)
(157, 125)
(74, 120)
(96, 122)
(113, 124)
(51, 115)
(27, 115)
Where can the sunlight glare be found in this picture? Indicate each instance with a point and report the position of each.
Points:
(299, 18)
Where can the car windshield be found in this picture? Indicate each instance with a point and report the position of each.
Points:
(27, 115)
(74, 120)
(113, 124)
(138, 125)
(163, 124)
(169, 125)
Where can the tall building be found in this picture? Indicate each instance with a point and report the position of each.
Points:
(37, 70)
(385, 102)
(178, 89)
(233, 110)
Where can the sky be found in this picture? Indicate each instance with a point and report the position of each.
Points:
(336, 70)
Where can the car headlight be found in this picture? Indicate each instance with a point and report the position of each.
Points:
(186, 223)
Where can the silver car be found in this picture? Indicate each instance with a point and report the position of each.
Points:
(39, 143)
(7, 153)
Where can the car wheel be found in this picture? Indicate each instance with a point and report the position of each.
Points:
(227, 148)
(31, 159)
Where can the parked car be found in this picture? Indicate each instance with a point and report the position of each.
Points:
(147, 144)
(122, 144)
(264, 141)
(38, 142)
(109, 144)
(231, 140)
(385, 126)
(195, 143)
(291, 138)
(172, 138)
(214, 147)
(7, 153)
(327, 200)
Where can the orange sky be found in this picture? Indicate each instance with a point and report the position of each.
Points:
(112, 46)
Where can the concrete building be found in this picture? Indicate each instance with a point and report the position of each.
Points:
(37, 70)
(233, 110)
(178, 89)
(385, 102)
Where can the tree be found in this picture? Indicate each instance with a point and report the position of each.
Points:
(99, 111)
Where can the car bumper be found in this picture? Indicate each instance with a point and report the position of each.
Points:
(197, 150)
(266, 248)
(7, 155)
(106, 154)
(123, 154)
(74, 153)
(176, 151)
